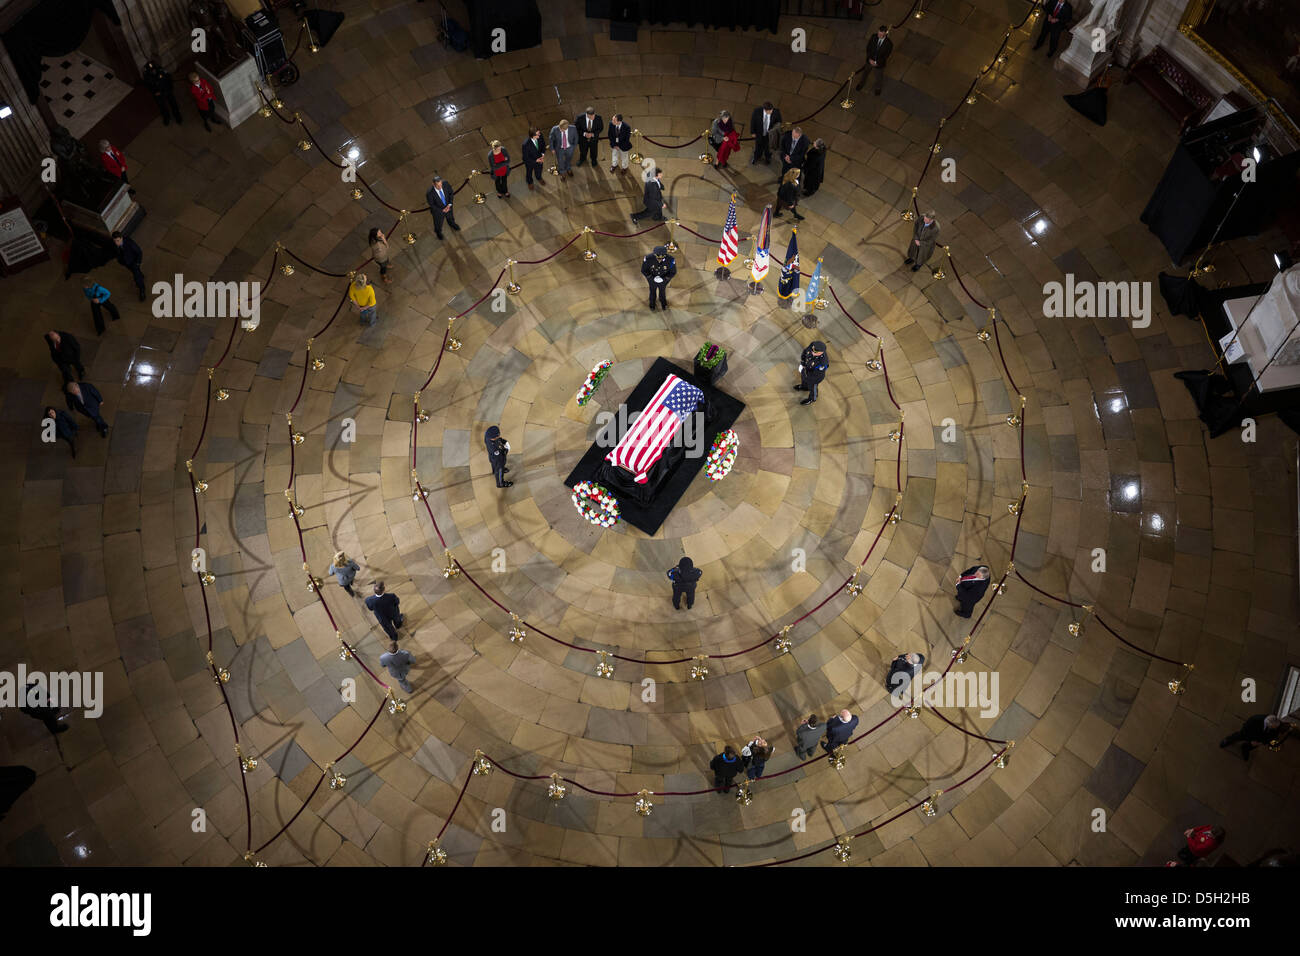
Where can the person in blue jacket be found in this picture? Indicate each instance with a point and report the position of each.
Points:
(98, 297)
(345, 571)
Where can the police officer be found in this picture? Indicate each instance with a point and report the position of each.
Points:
(812, 369)
(684, 577)
(497, 447)
(658, 268)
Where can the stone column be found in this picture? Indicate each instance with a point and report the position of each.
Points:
(24, 140)
(156, 28)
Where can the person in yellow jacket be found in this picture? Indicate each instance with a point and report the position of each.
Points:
(362, 294)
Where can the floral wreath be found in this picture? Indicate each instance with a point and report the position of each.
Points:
(594, 378)
(596, 504)
(722, 455)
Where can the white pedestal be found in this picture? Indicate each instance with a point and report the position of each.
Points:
(118, 212)
(236, 90)
(1080, 63)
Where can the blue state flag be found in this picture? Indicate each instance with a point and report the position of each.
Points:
(788, 285)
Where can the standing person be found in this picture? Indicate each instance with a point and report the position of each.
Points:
(65, 352)
(534, 153)
(379, 252)
(130, 256)
(1259, 729)
(114, 162)
(498, 165)
(971, 585)
(839, 730)
(1059, 14)
(878, 49)
(684, 577)
(925, 234)
(1201, 842)
(620, 143)
(590, 126)
(813, 363)
(725, 766)
(563, 143)
(85, 398)
(659, 268)
(787, 194)
(205, 100)
(161, 87)
(794, 145)
(398, 663)
(654, 198)
(902, 671)
(98, 297)
(724, 137)
(439, 197)
(814, 167)
(765, 121)
(756, 754)
(65, 426)
(387, 610)
(497, 448)
(806, 735)
(362, 294)
(345, 571)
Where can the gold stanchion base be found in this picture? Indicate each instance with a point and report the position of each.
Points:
(846, 103)
(453, 345)
(706, 159)
(589, 255)
(909, 215)
(479, 199)
(670, 246)
(514, 288)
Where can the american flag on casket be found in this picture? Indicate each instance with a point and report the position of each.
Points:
(653, 431)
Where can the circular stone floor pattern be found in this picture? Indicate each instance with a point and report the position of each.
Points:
(103, 541)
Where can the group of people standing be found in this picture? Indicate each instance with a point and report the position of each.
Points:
(81, 396)
(387, 609)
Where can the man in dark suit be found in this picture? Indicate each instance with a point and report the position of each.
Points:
(439, 198)
(812, 369)
(902, 671)
(971, 585)
(839, 730)
(533, 151)
(620, 142)
(762, 123)
(659, 268)
(1059, 13)
(387, 610)
(654, 198)
(497, 449)
(85, 398)
(65, 426)
(589, 126)
(684, 577)
(1258, 729)
(129, 255)
(65, 352)
(878, 49)
(793, 147)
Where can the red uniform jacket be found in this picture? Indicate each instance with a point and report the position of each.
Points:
(113, 161)
(202, 93)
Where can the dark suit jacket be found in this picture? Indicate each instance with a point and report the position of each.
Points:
(68, 352)
(496, 449)
(756, 121)
(686, 580)
(597, 127)
(532, 151)
(839, 732)
(794, 150)
(65, 426)
(879, 50)
(650, 267)
(384, 606)
(128, 253)
(813, 366)
(620, 137)
(787, 194)
(1063, 18)
(431, 197)
(726, 769)
(971, 592)
(654, 196)
(89, 403)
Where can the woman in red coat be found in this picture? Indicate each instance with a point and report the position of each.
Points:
(113, 160)
(205, 100)
(499, 168)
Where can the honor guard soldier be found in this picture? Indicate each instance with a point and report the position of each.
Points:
(497, 448)
(812, 369)
(658, 268)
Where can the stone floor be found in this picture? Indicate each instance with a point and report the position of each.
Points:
(1198, 534)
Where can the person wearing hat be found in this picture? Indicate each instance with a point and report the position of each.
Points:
(497, 448)
(590, 126)
(498, 165)
(812, 369)
(564, 140)
(161, 87)
(925, 235)
(654, 198)
(658, 268)
(684, 577)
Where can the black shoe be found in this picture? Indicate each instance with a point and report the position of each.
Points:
(1224, 742)
(456, 227)
(504, 470)
(776, 215)
(652, 306)
(801, 388)
(103, 432)
(859, 87)
(808, 401)
(663, 303)
(797, 216)
(506, 484)
(908, 261)
(142, 295)
(440, 235)
(962, 613)
(916, 267)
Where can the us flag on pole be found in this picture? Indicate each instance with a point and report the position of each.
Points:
(758, 271)
(730, 236)
(645, 441)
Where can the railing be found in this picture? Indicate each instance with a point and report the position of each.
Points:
(835, 9)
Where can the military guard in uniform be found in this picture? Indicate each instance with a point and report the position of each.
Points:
(658, 268)
(497, 448)
(812, 369)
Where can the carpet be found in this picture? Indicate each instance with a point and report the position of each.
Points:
(649, 517)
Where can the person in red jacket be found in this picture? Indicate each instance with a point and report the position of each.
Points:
(114, 162)
(205, 100)
(1201, 842)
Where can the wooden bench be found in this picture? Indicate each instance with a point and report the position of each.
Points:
(1173, 86)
